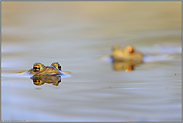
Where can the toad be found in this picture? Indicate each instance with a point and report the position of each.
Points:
(126, 54)
(41, 69)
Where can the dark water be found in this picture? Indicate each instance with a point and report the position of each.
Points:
(80, 35)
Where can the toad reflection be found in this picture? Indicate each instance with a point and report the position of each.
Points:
(40, 80)
(126, 65)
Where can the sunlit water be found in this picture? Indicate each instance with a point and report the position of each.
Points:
(81, 38)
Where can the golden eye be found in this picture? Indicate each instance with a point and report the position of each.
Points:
(36, 68)
(130, 50)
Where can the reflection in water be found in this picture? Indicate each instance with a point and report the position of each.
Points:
(126, 66)
(40, 80)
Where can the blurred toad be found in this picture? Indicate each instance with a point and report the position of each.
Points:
(126, 54)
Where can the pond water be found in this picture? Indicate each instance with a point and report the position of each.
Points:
(80, 36)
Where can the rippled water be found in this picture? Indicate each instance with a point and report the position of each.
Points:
(80, 35)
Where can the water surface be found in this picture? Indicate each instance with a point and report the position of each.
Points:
(80, 35)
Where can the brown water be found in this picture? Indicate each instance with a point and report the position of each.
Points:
(80, 36)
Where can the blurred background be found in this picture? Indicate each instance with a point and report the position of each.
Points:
(78, 34)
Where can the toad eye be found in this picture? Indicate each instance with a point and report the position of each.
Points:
(130, 50)
(59, 67)
(36, 68)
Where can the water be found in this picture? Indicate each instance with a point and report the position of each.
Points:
(80, 35)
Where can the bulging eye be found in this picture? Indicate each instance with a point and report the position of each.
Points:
(115, 47)
(59, 67)
(130, 50)
(36, 68)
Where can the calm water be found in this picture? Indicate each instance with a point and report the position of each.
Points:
(80, 35)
